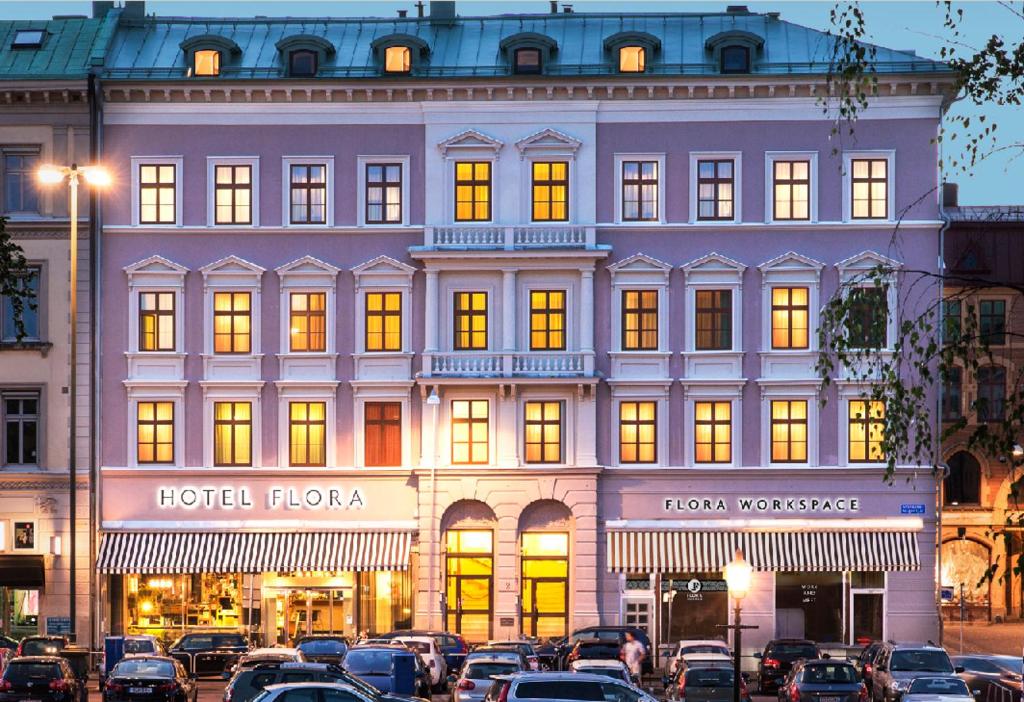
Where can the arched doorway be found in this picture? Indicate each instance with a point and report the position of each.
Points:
(545, 531)
(468, 527)
(965, 563)
(963, 484)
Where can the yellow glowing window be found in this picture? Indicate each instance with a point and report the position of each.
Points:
(207, 62)
(384, 321)
(156, 321)
(156, 194)
(789, 431)
(712, 430)
(790, 318)
(232, 192)
(232, 433)
(473, 191)
(544, 544)
(866, 431)
(232, 322)
(637, 432)
(639, 320)
(307, 433)
(792, 189)
(870, 188)
(469, 541)
(470, 315)
(547, 320)
(155, 427)
(544, 567)
(550, 191)
(396, 59)
(307, 322)
(543, 432)
(632, 59)
(470, 427)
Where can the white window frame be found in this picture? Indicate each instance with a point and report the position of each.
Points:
(713, 272)
(655, 391)
(548, 145)
(136, 181)
(454, 394)
(462, 285)
(449, 205)
(712, 393)
(383, 274)
(890, 206)
(149, 391)
(361, 163)
(527, 284)
(568, 420)
(288, 393)
(155, 274)
(770, 157)
(847, 391)
(211, 167)
(27, 391)
(286, 190)
(233, 274)
(640, 272)
(619, 158)
(737, 186)
(365, 392)
(216, 391)
(852, 271)
(807, 392)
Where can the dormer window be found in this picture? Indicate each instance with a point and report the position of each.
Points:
(632, 52)
(303, 54)
(632, 59)
(206, 55)
(734, 51)
(735, 59)
(28, 39)
(527, 61)
(206, 63)
(302, 63)
(397, 59)
(527, 53)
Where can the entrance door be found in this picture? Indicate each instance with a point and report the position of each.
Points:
(545, 578)
(867, 617)
(469, 567)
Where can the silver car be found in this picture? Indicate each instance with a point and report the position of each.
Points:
(937, 688)
(565, 686)
(477, 677)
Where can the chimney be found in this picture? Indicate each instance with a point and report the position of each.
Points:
(402, 14)
(950, 195)
(737, 10)
(134, 9)
(101, 8)
(419, 8)
(567, 9)
(442, 11)
(554, 7)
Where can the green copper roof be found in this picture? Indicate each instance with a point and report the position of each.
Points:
(69, 48)
(471, 46)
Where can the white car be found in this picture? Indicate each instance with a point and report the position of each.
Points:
(431, 655)
(935, 688)
(565, 686)
(327, 692)
(691, 650)
(477, 676)
(614, 669)
(265, 655)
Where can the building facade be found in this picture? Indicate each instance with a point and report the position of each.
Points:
(501, 325)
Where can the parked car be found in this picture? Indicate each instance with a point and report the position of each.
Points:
(141, 677)
(706, 682)
(512, 654)
(898, 664)
(939, 688)
(865, 662)
(777, 659)
(323, 648)
(565, 686)
(592, 649)
(522, 645)
(39, 678)
(246, 685)
(79, 658)
(547, 652)
(6, 655)
(473, 683)
(614, 669)
(430, 653)
(42, 645)
(135, 644)
(453, 646)
(823, 681)
(981, 672)
(697, 649)
(8, 643)
(264, 655)
(608, 633)
(375, 664)
(208, 654)
(319, 692)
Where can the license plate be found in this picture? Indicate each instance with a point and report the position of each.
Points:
(148, 690)
(830, 699)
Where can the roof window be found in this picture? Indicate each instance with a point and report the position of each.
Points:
(527, 61)
(302, 63)
(28, 39)
(527, 53)
(304, 55)
(632, 59)
(398, 54)
(734, 51)
(206, 63)
(735, 59)
(632, 52)
(206, 55)
(397, 59)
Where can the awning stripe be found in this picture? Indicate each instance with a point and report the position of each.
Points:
(636, 551)
(252, 552)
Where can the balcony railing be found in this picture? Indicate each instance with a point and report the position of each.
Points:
(469, 236)
(509, 365)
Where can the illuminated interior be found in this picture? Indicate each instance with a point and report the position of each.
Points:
(396, 59)
(545, 583)
(469, 564)
(632, 59)
(207, 62)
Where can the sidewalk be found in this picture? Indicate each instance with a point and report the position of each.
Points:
(1007, 639)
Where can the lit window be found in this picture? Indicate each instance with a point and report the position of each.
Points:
(789, 431)
(714, 320)
(527, 61)
(232, 433)
(382, 434)
(473, 191)
(302, 63)
(21, 429)
(156, 321)
(383, 193)
(991, 401)
(715, 194)
(547, 320)
(307, 322)
(639, 190)
(543, 432)
(28, 38)
(307, 436)
(792, 187)
(735, 59)
(866, 429)
(207, 63)
(712, 432)
(156, 194)
(470, 432)
(550, 191)
(21, 185)
(308, 194)
(29, 313)
(470, 316)
(992, 321)
(155, 432)
(637, 429)
(383, 321)
(233, 195)
(639, 320)
(632, 59)
(790, 310)
(867, 318)
(870, 188)
(397, 59)
(232, 322)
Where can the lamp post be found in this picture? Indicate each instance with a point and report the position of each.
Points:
(737, 576)
(98, 177)
(435, 404)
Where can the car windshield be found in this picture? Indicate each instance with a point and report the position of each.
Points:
(608, 672)
(418, 646)
(581, 690)
(143, 668)
(41, 647)
(368, 662)
(702, 648)
(316, 646)
(139, 646)
(20, 672)
(792, 651)
(832, 673)
(927, 661)
(939, 686)
(709, 677)
(505, 655)
(229, 640)
(484, 671)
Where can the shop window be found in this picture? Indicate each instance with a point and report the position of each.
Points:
(866, 430)
(232, 433)
(550, 191)
(809, 606)
(383, 193)
(792, 189)
(991, 401)
(155, 432)
(29, 283)
(632, 59)
(307, 322)
(735, 59)
(470, 427)
(307, 429)
(384, 600)
(383, 321)
(867, 318)
(639, 320)
(992, 321)
(714, 320)
(469, 569)
(527, 61)
(21, 429)
(790, 317)
(232, 322)
(232, 192)
(965, 569)
(545, 584)
(470, 318)
(637, 432)
(963, 485)
(206, 63)
(382, 434)
(870, 188)
(542, 432)
(302, 63)
(21, 186)
(639, 191)
(473, 191)
(308, 193)
(789, 431)
(715, 190)
(547, 320)
(952, 394)
(712, 432)
(157, 193)
(166, 604)
(397, 59)
(688, 612)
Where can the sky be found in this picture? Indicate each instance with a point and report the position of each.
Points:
(898, 25)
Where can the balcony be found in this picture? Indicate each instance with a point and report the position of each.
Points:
(514, 238)
(543, 364)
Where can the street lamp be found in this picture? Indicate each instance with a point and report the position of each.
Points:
(435, 404)
(97, 177)
(738, 574)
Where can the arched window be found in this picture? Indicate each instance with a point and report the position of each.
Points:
(963, 486)
(396, 59)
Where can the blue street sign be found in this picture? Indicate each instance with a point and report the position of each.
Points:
(947, 594)
(911, 509)
(58, 625)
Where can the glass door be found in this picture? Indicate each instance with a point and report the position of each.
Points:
(469, 564)
(867, 607)
(545, 578)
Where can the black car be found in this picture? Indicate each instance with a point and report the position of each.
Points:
(78, 657)
(323, 648)
(249, 683)
(7, 642)
(777, 660)
(814, 680)
(865, 662)
(208, 654)
(42, 645)
(981, 672)
(593, 649)
(609, 633)
(158, 678)
(42, 678)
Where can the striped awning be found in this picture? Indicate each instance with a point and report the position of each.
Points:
(252, 552)
(709, 551)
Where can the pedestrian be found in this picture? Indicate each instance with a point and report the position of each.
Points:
(633, 654)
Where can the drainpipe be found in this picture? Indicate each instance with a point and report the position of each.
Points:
(95, 144)
(938, 401)
(435, 403)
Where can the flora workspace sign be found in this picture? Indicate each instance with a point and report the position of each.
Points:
(766, 505)
(275, 497)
